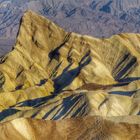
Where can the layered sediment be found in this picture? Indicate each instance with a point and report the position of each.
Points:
(52, 74)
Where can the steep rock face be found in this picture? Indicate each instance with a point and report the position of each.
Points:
(46, 51)
(53, 74)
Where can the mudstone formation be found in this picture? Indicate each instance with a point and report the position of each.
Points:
(62, 85)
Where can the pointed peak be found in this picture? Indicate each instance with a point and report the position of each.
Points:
(32, 15)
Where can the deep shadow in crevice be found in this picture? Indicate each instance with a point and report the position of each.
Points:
(7, 112)
(3, 59)
(126, 66)
(19, 87)
(34, 102)
(128, 79)
(54, 54)
(67, 76)
(55, 70)
(42, 82)
(123, 93)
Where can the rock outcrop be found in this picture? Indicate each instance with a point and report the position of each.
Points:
(52, 74)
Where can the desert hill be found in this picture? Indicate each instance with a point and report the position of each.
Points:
(52, 74)
(46, 61)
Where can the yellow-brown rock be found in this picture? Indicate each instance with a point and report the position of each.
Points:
(43, 50)
(54, 75)
(88, 128)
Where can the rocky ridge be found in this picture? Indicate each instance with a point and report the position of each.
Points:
(52, 74)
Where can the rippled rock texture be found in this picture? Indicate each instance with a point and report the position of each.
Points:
(88, 128)
(54, 75)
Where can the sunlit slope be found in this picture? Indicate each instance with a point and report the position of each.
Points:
(88, 128)
(53, 74)
(43, 51)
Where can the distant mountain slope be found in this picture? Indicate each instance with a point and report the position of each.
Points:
(99, 18)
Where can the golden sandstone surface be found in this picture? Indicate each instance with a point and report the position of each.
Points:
(59, 85)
